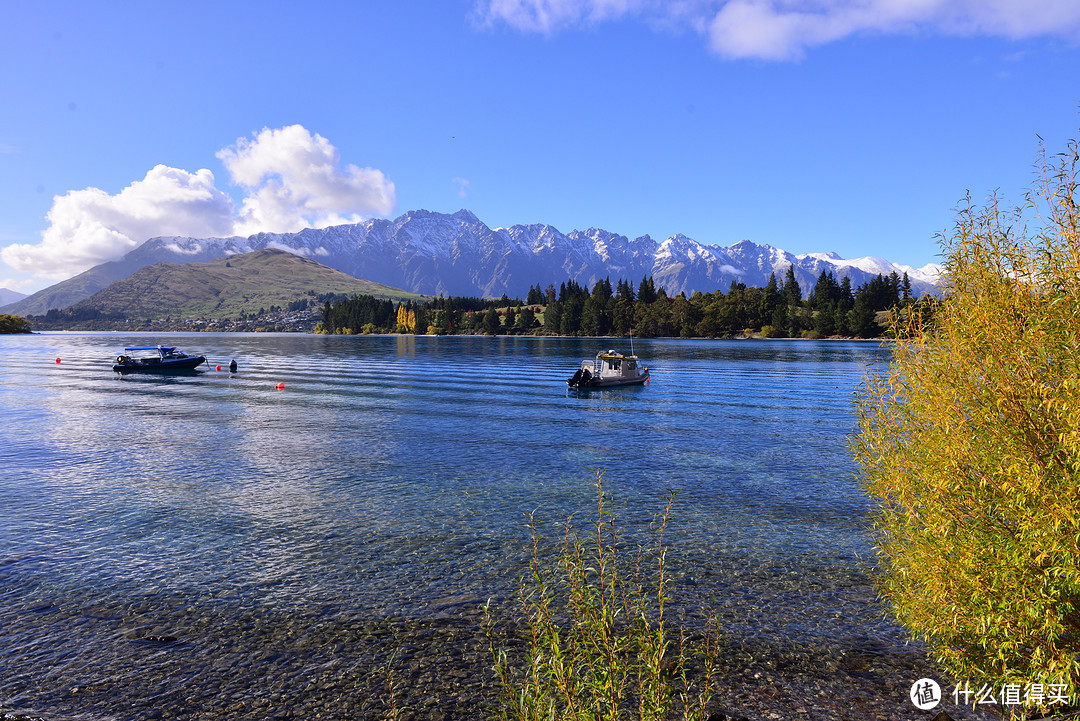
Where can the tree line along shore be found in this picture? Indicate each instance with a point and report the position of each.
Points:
(777, 310)
(832, 308)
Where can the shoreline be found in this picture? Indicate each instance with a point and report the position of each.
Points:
(441, 669)
(189, 331)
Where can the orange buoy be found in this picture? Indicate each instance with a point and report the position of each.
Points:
(219, 368)
(280, 386)
(57, 361)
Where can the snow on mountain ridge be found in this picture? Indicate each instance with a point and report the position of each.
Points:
(827, 257)
(870, 264)
(929, 273)
(457, 254)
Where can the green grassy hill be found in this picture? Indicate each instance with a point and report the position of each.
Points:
(228, 287)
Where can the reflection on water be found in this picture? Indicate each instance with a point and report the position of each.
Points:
(385, 483)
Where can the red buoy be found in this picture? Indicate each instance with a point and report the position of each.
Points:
(219, 367)
(58, 361)
(280, 386)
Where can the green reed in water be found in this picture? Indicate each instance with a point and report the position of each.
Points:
(599, 646)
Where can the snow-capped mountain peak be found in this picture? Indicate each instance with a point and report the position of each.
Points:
(829, 257)
(457, 254)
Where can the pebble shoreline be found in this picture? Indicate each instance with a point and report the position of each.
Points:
(755, 682)
(442, 670)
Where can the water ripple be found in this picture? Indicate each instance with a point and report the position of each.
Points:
(262, 528)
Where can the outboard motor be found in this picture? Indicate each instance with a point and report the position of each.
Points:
(576, 379)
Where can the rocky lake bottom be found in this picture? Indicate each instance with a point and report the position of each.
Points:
(287, 540)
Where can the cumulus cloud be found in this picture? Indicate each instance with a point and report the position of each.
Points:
(291, 180)
(87, 227)
(294, 180)
(785, 29)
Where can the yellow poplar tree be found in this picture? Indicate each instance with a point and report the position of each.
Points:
(970, 444)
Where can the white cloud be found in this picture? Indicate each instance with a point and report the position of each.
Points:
(463, 186)
(288, 248)
(785, 29)
(294, 181)
(291, 180)
(21, 285)
(87, 227)
(547, 16)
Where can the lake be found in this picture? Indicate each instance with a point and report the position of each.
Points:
(212, 546)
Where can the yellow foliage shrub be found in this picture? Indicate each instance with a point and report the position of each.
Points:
(970, 444)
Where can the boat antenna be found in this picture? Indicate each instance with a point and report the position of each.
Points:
(631, 340)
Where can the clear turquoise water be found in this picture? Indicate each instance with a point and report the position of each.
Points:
(388, 480)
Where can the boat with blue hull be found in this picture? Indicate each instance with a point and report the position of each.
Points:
(156, 359)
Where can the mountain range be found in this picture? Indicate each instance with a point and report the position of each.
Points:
(456, 254)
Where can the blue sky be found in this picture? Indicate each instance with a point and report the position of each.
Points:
(853, 126)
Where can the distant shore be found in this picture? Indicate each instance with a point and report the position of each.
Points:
(152, 328)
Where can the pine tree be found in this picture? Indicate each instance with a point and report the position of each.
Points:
(792, 291)
(602, 291)
(779, 319)
(825, 291)
(590, 316)
(570, 323)
(770, 299)
(846, 298)
(861, 317)
(526, 319)
(623, 315)
(553, 318)
(492, 322)
(825, 319)
(646, 293)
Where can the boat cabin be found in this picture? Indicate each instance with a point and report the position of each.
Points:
(609, 364)
(609, 369)
(146, 354)
(156, 358)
